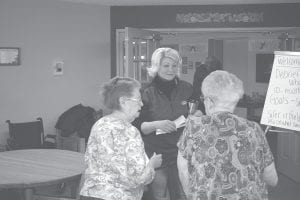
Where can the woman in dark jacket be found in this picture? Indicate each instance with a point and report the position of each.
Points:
(165, 100)
(211, 64)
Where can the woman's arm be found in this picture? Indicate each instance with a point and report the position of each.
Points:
(133, 171)
(270, 175)
(269, 172)
(182, 165)
(148, 127)
(165, 125)
(126, 159)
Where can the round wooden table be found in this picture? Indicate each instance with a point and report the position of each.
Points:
(30, 168)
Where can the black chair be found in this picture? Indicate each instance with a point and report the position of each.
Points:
(27, 135)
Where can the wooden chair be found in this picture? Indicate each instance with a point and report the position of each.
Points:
(73, 142)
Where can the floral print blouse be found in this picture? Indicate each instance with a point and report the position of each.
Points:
(226, 156)
(116, 162)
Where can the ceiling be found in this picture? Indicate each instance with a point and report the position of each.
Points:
(177, 2)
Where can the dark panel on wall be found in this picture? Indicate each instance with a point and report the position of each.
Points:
(215, 48)
(205, 16)
(264, 64)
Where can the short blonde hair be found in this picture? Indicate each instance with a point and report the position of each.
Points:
(157, 57)
(223, 87)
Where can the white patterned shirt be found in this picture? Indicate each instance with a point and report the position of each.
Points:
(116, 162)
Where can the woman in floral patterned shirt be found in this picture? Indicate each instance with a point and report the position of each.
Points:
(223, 156)
(117, 165)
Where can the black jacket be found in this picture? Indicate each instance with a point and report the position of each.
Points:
(78, 119)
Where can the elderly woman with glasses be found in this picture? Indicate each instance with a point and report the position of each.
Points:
(221, 155)
(165, 99)
(117, 165)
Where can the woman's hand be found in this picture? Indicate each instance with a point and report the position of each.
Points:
(155, 161)
(166, 126)
(198, 113)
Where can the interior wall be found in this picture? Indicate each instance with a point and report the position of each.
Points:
(235, 59)
(254, 86)
(193, 49)
(46, 31)
(244, 62)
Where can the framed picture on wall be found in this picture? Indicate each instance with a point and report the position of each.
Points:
(264, 64)
(9, 56)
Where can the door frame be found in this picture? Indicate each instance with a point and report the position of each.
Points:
(230, 33)
(233, 33)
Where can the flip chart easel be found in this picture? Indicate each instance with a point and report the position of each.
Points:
(282, 104)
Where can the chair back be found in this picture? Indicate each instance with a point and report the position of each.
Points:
(26, 135)
(73, 142)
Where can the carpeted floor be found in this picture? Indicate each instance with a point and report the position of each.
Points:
(286, 189)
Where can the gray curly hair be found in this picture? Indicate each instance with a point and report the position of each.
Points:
(223, 87)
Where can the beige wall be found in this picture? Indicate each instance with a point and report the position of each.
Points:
(236, 58)
(46, 31)
(242, 62)
(184, 41)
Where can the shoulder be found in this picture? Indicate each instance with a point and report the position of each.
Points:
(147, 86)
(242, 123)
(251, 124)
(108, 124)
(148, 91)
(184, 84)
(194, 122)
(202, 68)
(102, 130)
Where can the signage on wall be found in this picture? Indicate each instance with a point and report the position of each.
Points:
(282, 104)
(220, 17)
(9, 56)
(206, 16)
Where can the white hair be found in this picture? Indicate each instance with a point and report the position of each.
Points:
(223, 87)
(157, 57)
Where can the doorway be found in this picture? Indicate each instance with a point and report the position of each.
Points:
(239, 50)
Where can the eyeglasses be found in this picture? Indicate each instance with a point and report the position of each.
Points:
(202, 98)
(134, 99)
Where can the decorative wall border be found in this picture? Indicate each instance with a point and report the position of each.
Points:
(219, 17)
